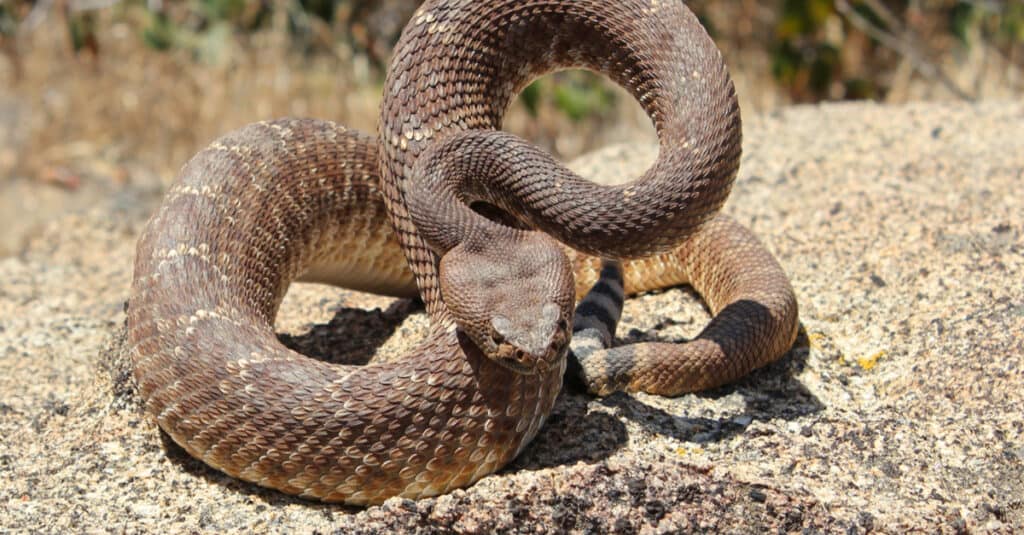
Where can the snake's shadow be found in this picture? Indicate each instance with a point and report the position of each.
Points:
(588, 429)
(580, 428)
(353, 335)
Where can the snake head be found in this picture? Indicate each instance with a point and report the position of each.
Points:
(512, 298)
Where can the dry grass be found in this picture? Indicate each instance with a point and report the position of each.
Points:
(77, 129)
(135, 107)
(131, 116)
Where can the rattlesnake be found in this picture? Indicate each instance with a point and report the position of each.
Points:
(472, 209)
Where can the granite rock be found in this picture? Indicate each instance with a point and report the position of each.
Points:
(898, 409)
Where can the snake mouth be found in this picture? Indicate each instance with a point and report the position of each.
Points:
(521, 368)
(519, 360)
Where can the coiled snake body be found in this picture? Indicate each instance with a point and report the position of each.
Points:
(289, 198)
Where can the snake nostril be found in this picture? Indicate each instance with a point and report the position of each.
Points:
(523, 357)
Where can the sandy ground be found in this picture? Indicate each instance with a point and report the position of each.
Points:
(897, 410)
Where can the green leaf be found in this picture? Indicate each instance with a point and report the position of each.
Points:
(530, 97)
(160, 34)
(960, 19)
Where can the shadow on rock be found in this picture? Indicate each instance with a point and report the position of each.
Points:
(768, 393)
(575, 432)
(572, 434)
(353, 335)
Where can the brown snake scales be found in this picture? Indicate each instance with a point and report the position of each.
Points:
(480, 216)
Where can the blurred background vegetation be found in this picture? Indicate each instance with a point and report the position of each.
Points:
(98, 95)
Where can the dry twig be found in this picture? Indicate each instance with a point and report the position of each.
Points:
(902, 44)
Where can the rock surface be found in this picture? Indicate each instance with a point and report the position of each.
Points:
(898, 409)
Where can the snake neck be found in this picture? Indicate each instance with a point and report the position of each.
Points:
(459, 64)
(656, 50)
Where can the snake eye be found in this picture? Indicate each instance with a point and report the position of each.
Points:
(499, 326)
(493, 340)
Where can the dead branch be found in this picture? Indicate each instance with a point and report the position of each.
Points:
(902, 44)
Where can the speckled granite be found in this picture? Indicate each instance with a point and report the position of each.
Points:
(898, 410)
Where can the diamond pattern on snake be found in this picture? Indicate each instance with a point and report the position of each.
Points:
(393, 213)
